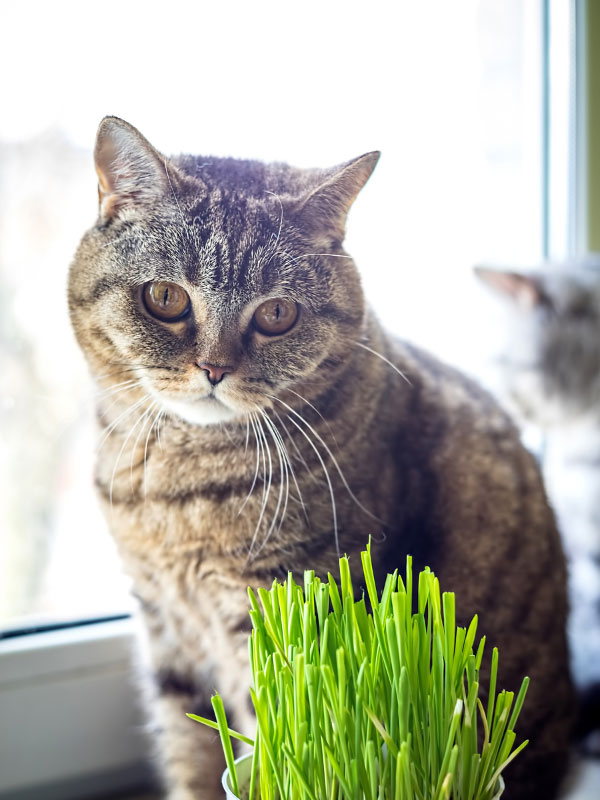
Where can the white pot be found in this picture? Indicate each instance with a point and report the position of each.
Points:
(244, 766)
(500, 786)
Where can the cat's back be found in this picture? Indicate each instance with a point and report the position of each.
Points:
(477, 491)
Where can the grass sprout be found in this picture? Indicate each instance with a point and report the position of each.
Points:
(374, 700)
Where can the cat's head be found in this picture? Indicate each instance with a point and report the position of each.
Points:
(551, 358)
(215, 282)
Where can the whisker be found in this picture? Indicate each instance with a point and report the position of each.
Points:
(299, 455)
(161, 417)
(117, 460)
(288, 469)
(331, 456)
(241, 508)
(280, 224)
(328, 479)
(145, 415)
(316, 410)
(155, 422)
(331, 255)
(175, 196)
(116, 422)
(280, 496)
(291, 468)
(267, 484)
(114, 393)
(224, 429)
(114, 386)
(387, 361)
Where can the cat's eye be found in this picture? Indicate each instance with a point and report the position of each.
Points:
(275, 316)
(166, 301)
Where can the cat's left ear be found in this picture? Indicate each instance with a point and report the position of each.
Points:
(130, 171)
(324, 210)
(526, 290)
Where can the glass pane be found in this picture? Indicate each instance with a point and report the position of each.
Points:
(450, 92)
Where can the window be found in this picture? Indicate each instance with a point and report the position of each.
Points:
(456, 111)
(452, 93)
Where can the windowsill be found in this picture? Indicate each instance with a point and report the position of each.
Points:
(71, 725)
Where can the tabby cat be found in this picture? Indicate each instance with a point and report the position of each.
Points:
(257, 419)
(549, 368)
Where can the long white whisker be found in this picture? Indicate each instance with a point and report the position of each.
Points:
(241, 508)
(330, 255)
(280, 223)
(174, 195)
(114, 472)
(316, 410)
(299, 455)
(289, 463)
(331, 456)
(161, 416)
(116, 396)
(267, 483)
(224, 428)
(383, 358)
(281, 484)
(328, 479)
(116, 422)
(145, 416)
(155, 422)
(116, 388)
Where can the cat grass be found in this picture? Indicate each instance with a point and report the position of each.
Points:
(383, 703)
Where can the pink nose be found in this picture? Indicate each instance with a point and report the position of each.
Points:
(214, 372)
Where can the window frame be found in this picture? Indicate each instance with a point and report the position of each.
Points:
(83, 679)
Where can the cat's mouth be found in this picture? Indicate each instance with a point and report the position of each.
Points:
(206, 405)
(201, 410)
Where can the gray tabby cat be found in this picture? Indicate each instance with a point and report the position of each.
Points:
(550, 368)
(256, 419)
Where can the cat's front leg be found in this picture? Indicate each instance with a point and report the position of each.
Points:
(190, 754)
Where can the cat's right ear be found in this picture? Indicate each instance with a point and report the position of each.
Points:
(526, 291)
(324, 210)
(130, 171)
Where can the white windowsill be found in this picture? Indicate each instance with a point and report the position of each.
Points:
(70, 725)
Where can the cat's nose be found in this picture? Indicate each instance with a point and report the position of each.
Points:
(215, 372)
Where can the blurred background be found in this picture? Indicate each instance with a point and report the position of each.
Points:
(484, 111)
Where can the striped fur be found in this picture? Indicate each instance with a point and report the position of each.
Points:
(318, 438)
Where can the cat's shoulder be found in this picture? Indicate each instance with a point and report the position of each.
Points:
(446, 387)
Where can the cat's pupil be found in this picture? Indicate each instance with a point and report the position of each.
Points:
(166, 301)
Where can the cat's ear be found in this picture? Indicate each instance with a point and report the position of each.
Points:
(325, 208)
(130, 171)
(526, 291)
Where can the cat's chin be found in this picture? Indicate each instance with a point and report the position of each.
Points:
(207, 411)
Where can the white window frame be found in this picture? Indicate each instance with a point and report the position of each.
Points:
(70, 722)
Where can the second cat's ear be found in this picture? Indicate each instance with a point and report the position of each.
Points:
(325, 208)
(527, 291)
(130, 171)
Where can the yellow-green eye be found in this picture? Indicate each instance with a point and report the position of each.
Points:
(275, 316)
(166, 301)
